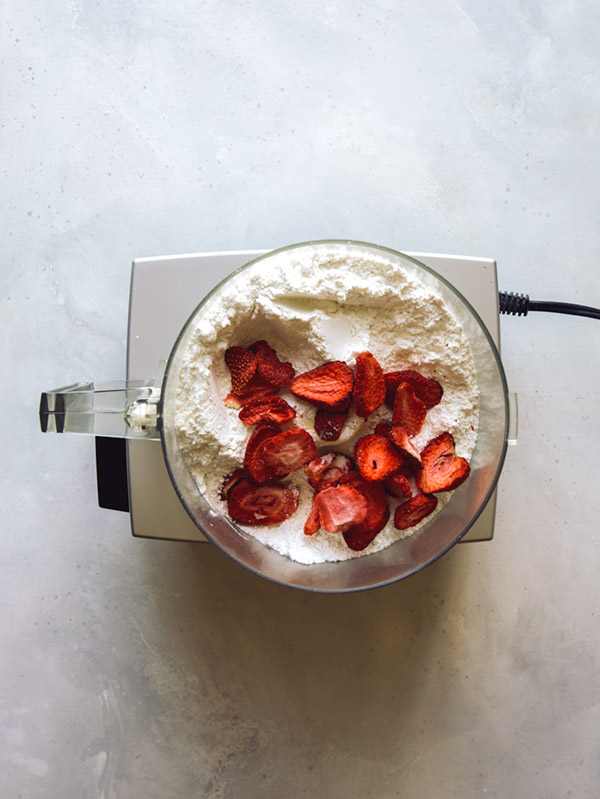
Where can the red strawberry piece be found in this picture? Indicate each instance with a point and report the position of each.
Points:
(441, 468)
(256, 387)
(241, 363)
(288, 451)
(313, 523)
(253, 459)
(340, 466)
(275, 371)
(409, 411)
(270, 367)
(369, 385)
(410, 513)
(257, 346)
(376, 457)
(231, 480)
(328, 386)
(360, 535)
(315, 469)
(392, 381)
(269, 408)
(328, 424)
(398, 485)
(352, 478)
(328, 468)
(403, 443)
(383, 429)
(267, 504)
(429, 391)
(340, 507)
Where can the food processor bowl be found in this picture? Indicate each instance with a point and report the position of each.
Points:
(406, 556)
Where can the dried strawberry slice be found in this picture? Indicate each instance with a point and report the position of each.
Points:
(328, 468)
(329, 424)
(409, 411)
(253, 459)
(412, 512)
(266, 504)
(340, 507)
(441, 468)
(383, 429)
(288, 451)
(270, 367)
(376, 457)
(402, 442)
(429, 391)
(339, 467)
(257, 346)
(369, 385)
(328, 386)
(360, 535)
(277, 372)
(269, 408)
(256, 387)
(232, 479)
(313, 523)
(398, 485)
(241, 363)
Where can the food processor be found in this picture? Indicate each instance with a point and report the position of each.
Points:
(141, 411)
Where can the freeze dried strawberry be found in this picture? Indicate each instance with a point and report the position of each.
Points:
(383, 429)
(257, 386)
(270, 367)
(410, 513)
(288, 451)
(429, 391)
(257, 346)
(253, 459)
(275, 371)
(408, 451)
(315, 469)
(329, 424)
(402, 442)
(328, 469)
(328, 386)
(313, 523)
(267, 504)
(340, 507)
(369, 385)
(441, 468)
(231, 480)
(241, 363)
(269, 408)
(398, 485)
(392, 381)
(409, 411)
(360, 535)
(376, 457)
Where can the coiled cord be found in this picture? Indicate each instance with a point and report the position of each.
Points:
(520, 305)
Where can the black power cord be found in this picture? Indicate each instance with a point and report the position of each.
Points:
(520, 305)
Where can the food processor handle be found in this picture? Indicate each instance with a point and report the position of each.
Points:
(124, 409)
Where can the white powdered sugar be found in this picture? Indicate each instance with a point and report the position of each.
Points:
(316, 304)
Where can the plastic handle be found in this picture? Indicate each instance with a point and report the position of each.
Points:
(125, 409)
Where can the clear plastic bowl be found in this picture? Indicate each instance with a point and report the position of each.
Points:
(407, 556)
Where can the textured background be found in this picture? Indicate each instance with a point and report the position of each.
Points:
(136, 668)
